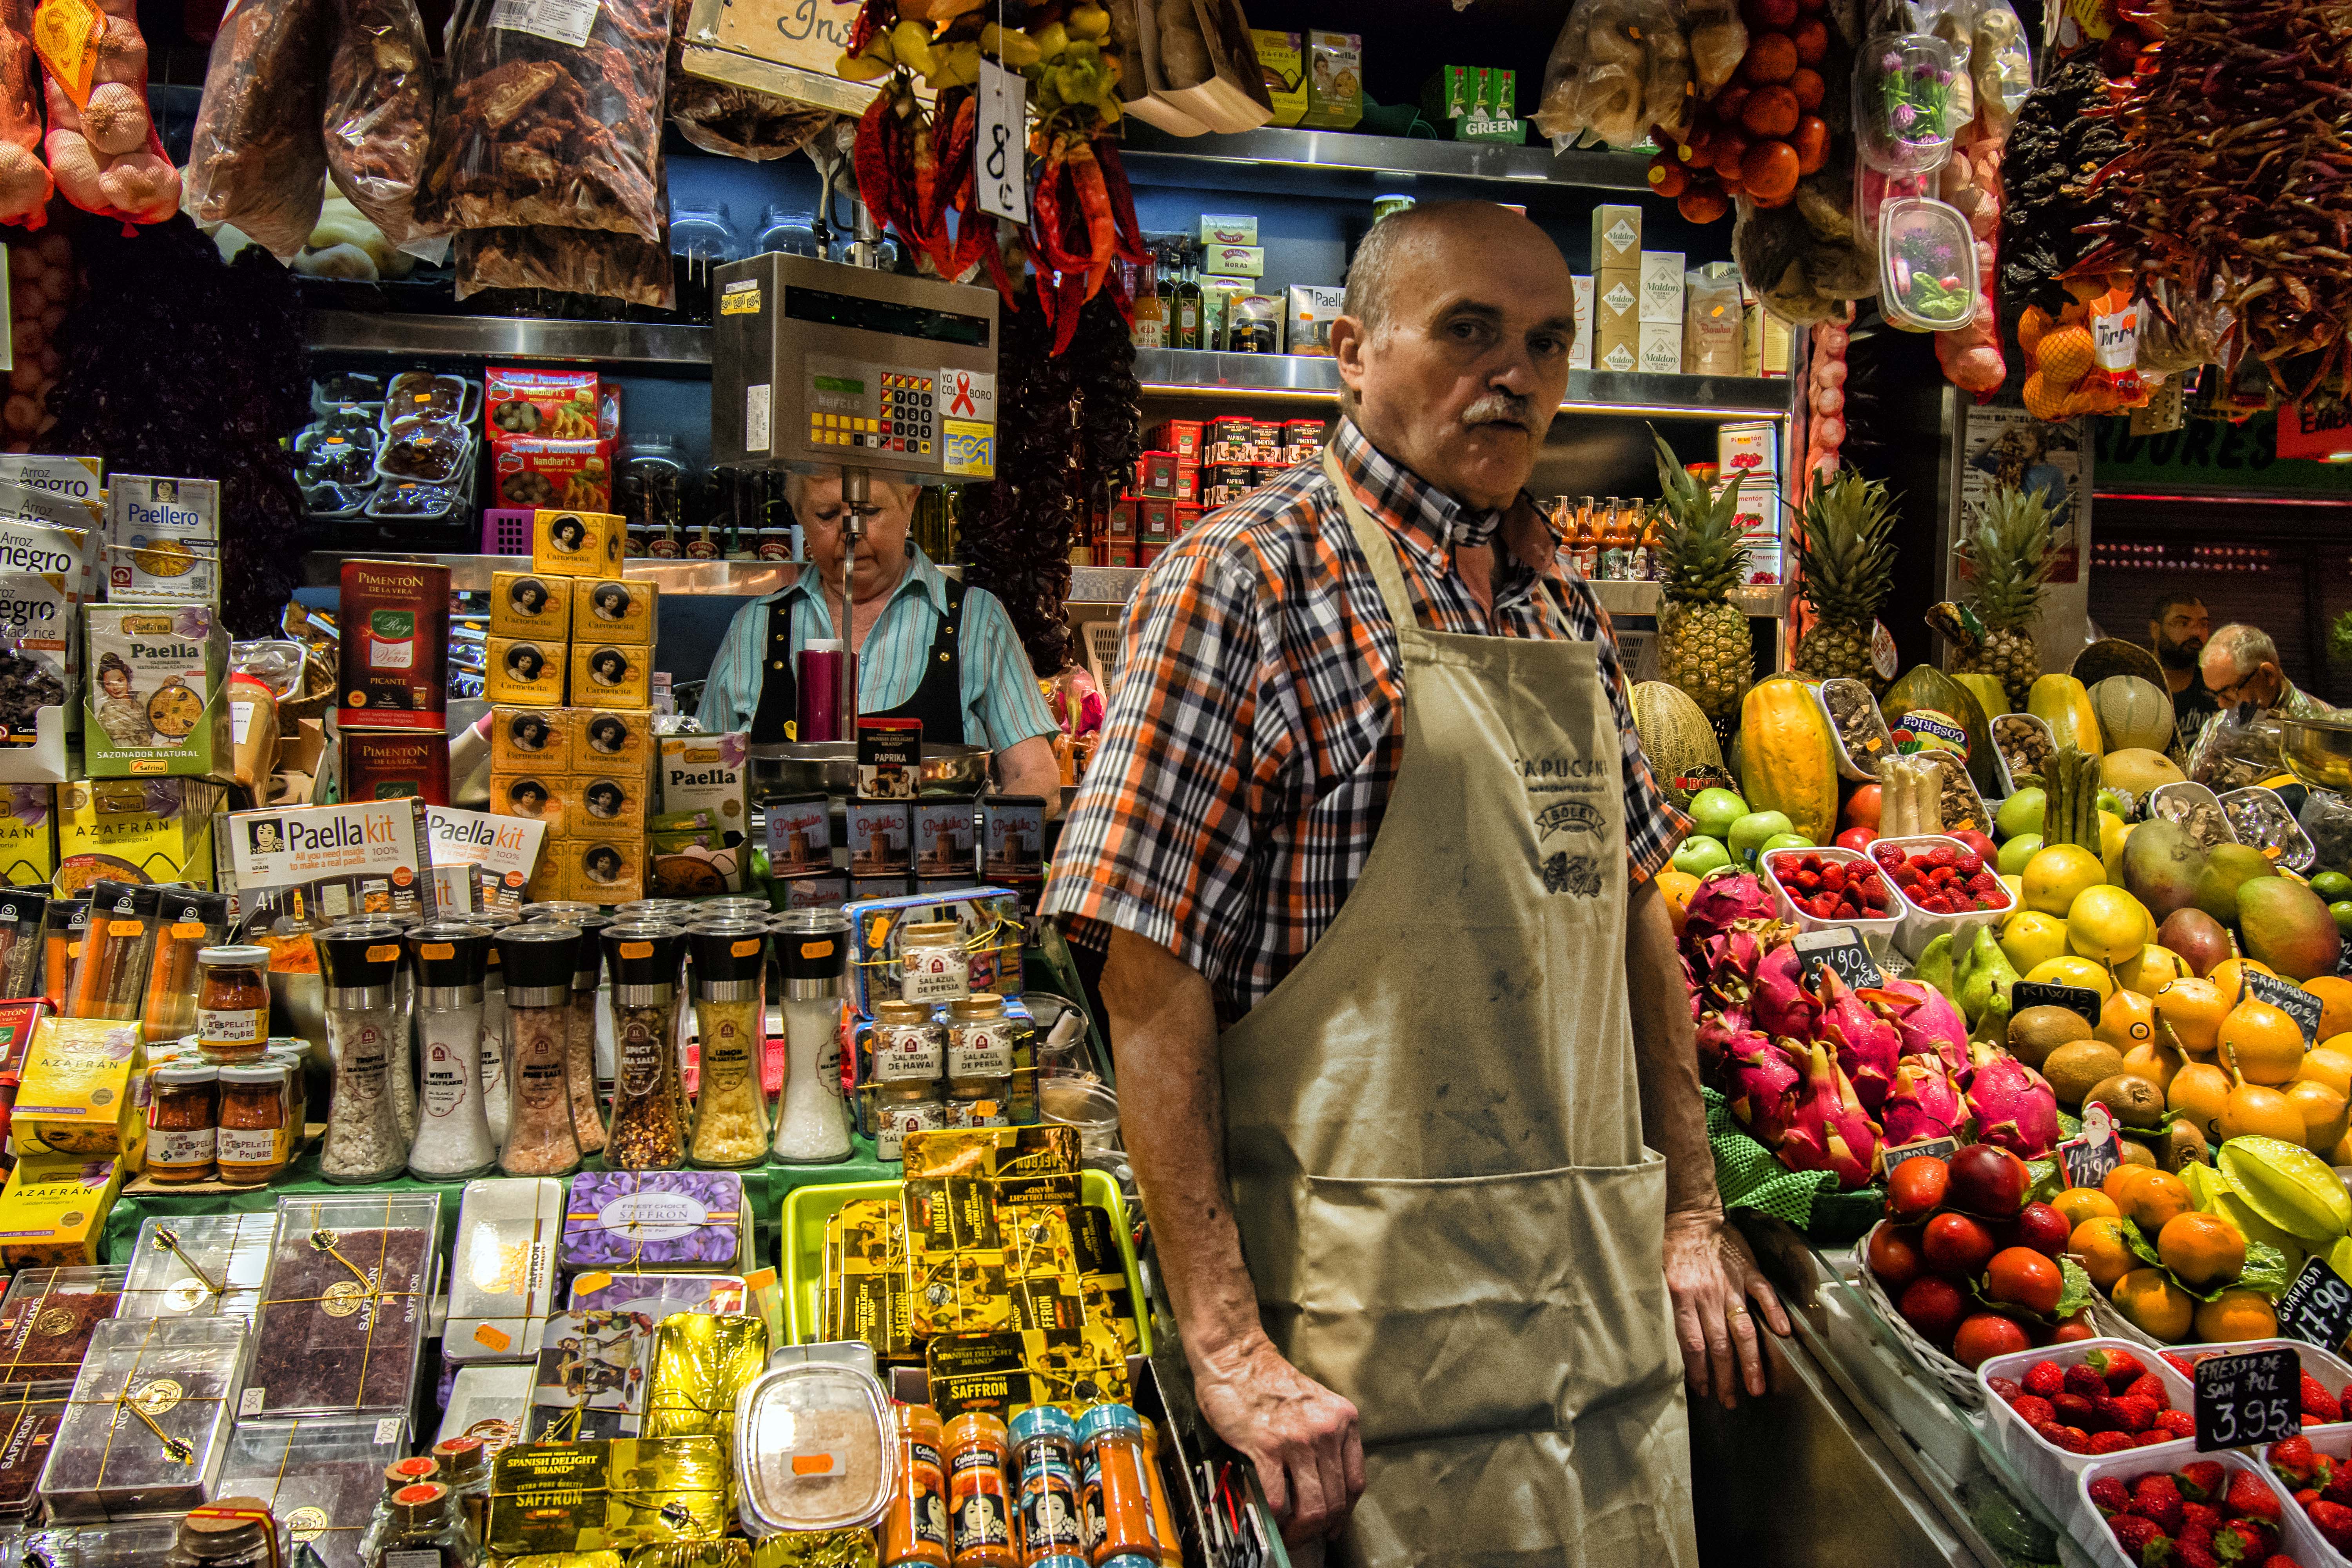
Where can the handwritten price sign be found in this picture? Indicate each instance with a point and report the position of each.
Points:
(2242, 1400)
(1002, 139)
(2317, 1308)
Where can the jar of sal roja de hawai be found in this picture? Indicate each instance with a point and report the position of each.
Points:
(252, 1145)
(233, 1002)
(182, 1123)
(904, 1044)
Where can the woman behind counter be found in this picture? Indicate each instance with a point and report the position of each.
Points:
(927, 647)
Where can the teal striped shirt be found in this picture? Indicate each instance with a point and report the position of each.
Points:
(1002, 703)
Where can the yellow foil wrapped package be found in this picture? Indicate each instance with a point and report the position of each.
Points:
(731, 1552)
(817, 1549)
(667, 1489)
(561, 1559)
(564, 1498)
(701, 1360)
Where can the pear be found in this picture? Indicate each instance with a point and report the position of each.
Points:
(1990, 974)
(1935, 966)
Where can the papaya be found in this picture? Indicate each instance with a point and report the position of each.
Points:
(2062, 702)
(1988, 690)
(1924, 685)
(1788, 757)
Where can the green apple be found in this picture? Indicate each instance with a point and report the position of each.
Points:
(2015, 852)
(1748, 834)
(2110, 801)
(2021, 813)
(1715, 810)
(1785, 841)
(1701, 853)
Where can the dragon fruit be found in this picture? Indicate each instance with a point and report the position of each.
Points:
(1730, 962)
(1762, 1086)
(1925, 1018)
(1781, 1005)
(1867, 1045)
(1723, 902)
(1832, 1132)
(1716, 1033)
(1922, 1103)
(2013, 1105)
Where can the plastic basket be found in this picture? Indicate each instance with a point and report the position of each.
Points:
(1920, 926)
(2335, 1440)
(505, 530)
(2049, 1470)
(2297, 1539)
(807, 1209)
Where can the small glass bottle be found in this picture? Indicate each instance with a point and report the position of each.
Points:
(360, 966)
(539, 958)
(252, 1145)
(980, 1504)
(730, 1112)
(465, 1470)
(182, 1123)
(1188, 322)
(979, 1040)
(453, 1132)
(648, 1127)
(426, 1531)
(916, 1528)
(1114, 1497)
(903, 1108)
(1163, 1521)
(904, 1044)
(812, 949)
(1044, 1455)
(233, 1002)
(931, 963)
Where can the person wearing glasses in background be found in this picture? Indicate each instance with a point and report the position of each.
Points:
(2241, 669)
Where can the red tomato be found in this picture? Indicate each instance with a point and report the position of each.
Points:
(1857, 838)
(1861, 807)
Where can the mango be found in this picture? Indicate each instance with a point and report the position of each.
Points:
(2287, 926)
(2160, 866)
(2197, 937)
(2226, 868)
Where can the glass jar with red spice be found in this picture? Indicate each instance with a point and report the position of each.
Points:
(253, 1144)
(182, 1123)
(233, 1002)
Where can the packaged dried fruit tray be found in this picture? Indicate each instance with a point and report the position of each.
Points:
(2014, 740)
(1775, 862)
(2051, 1470)
(1876, 744)
(1921, 925)
(2260, 819)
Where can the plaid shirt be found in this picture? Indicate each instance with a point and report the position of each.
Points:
(1258, 720)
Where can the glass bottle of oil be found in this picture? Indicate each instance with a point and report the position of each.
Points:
(1188, 302)
(1151, 330)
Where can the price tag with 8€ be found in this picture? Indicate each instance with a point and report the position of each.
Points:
(1001, 141)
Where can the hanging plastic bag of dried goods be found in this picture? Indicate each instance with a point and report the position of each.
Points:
(25, 182)
(1619, 67)
(256, 162)
(734, 121)
(101, 146)
(573, 261)
(2179, 332)
(378, 117)
(552, 119)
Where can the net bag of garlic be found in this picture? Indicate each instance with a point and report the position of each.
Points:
(101, 147)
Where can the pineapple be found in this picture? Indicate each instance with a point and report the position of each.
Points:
(1845, 562)
(1704, 645)
(2008, 547)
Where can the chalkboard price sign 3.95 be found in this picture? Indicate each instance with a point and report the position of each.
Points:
(2317, 1308)
(2249, 1398)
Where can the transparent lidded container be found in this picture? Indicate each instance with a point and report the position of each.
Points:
(199, 1266)
(1926, 264)
(815, 1448)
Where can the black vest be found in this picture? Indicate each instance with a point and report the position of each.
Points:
(937, 699)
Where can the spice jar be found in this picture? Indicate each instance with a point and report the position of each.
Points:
(904, 1043)
(979, 1507)
(931, 963)
(426, 1531)
(978, 1102)
(452, 1129)
(902, 1109)
(648, 1128)
(1044, 1449)
(233, 1002)
(731, 1114)
(580, 1032)
(294, 1056)
(539, 959)
(1163, 1523)
(252, 1145)
(914, 1530)
(182, 1123)
(465, 1470)
(360, 966)
(498, 1091)
(979, 1040)
(213, 1541)
(1114, 1494)
(812, 950)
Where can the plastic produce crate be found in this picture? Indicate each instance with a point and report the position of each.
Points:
(1921, 927)
(1864, 930)
(2051, 1470)
(2297, 1539)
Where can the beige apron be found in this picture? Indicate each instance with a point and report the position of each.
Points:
(1435, 1134)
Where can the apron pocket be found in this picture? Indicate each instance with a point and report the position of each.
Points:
(1481, 1304)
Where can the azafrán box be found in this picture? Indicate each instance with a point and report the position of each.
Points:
(396, 647)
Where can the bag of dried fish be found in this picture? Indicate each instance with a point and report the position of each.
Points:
(256, 162)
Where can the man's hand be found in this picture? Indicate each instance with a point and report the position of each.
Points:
(1713, 1277)
(1302, 1436)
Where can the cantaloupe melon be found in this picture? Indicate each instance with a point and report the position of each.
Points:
(2138, 770)
(2132, 713)
(1675, 736)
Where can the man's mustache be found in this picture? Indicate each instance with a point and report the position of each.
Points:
(1500, 407)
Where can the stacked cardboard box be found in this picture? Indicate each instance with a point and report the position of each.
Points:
(1617, 289)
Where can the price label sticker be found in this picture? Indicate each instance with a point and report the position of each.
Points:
(1839, 948)
(2080, 999)
(2094, 1151)
(2290, 999)
(2248, 1399)
(2317, 1308)
(1937, 1148)
(1000, 139)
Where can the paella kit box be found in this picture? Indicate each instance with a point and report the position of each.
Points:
(361, 858)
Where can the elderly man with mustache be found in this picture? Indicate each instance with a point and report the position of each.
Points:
(1407, 1072)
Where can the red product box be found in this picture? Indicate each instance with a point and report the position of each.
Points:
(395, 766)
(1123, 513)
(1264, 474)
(1157, 520)
(1155, 473)
(551, 404)
(1120, 553)
(565, 475)
(1267, 442)
(1188, 516)
(1181, 437)
(1304, 437)
(1230, 439)
(1151, 552)
(1188, 479)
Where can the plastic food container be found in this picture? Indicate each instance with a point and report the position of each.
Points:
(2297, 1539)
(1920, 926)
(815, 1448)
(490, 1401)
(346, 386)
(181, 1375)
(1903, 107)
(2051, 1470)
(1854, 696)
(422, 392)
(333, 499)
(432, 503)
(350, 418)
(2015, 753)
(48, 1316)
(425, 451)
(321, 1477)
(502, 1274)
(203, 1266)
(1957, 794)
(342, 458)
(2259, 820)
(2336, 1442)
(2196, 809)
(344, 1307)
(1926, 265)
(1885, 929)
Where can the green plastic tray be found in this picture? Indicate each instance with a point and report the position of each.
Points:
(807, 1209)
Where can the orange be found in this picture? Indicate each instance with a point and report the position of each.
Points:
(2235, 1315)
(2202, 1249)
(2260, 1043)
(2335, 994)
(2076, 1205)
(2193, 1010)
(2098, 1245)
(2121, 1182)
(2153, 1303)
(2230, 975)
(2155, 1200)
(1678, 886)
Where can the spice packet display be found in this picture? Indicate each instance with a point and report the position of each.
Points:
(320, 1476)
(110, 976)
(560, 404)
(200, 1266)
(53, 1209)
(686, 1221)
(160, 828)
(47, 1317)
(1003, 1374)
(29, 1414)
(701, 1360)
(590, 1497)
(975, 1268)
(988, 920)
(186, 922)
(83, 1090)
(343, 1309)
(149, 1420)
(591, 1378)
(158, 697)
(502, 1275)
(488, 1401)
(21, 913)
(378, 116)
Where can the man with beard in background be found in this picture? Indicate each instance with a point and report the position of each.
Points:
(2178, 627)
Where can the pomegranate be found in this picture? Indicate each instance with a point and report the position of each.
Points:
(1988, 1180)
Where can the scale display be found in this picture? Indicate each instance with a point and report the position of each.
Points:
(815, 363)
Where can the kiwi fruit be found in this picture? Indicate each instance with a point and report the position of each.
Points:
(2037, 1031)
(2180, 1145)
(2078, 1066)
(2132, 1099)
(2136, 1153)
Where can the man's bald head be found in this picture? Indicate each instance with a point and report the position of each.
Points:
(1452, 344)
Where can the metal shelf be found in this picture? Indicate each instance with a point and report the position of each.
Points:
(1765, 601)
(638, 344)
(1348, 160)
(471, 573)
(1202, 373)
